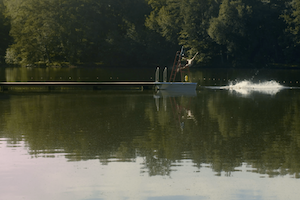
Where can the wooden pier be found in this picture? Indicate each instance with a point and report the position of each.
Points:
(65, 85)
(57, 85)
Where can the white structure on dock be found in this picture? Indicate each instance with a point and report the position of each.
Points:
(184, 85)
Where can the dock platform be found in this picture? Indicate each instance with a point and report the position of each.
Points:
(57, 85)
(73, 83)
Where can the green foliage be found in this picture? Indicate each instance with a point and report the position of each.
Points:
(196, 20)
(292, 19)
(229, 27)
(54, 30)
(228, 31)
(126, 32)
(249, 30)
(4, 33)
(184, 23)
(73, 31)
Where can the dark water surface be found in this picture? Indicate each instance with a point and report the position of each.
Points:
(212, 144)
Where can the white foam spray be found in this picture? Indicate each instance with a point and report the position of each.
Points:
(247, 87)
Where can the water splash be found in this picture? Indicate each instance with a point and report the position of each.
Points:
(247, 87)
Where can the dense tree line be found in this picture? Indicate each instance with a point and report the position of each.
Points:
(124, 32)
(5, 39)
(73, 31)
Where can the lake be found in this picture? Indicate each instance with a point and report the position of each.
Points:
(236, 137)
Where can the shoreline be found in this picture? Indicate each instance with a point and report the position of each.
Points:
(149, 66)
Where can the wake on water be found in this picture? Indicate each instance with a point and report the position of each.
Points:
(247, 87)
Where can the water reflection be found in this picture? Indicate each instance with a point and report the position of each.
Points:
(212, 128)
(76, 74)
(206, 144)
(181, 113)
(194, 142)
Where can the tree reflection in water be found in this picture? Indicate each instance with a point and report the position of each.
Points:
(213, 128)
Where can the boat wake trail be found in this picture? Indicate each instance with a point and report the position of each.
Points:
(248, 87)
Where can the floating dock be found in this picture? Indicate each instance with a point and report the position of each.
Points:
(176, 86)
(73, 83)
(58, 85)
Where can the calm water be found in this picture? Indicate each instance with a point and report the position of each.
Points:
(218, 143)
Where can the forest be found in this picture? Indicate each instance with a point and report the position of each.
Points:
(149, 32)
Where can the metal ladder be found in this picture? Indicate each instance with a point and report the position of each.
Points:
(176, 65)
